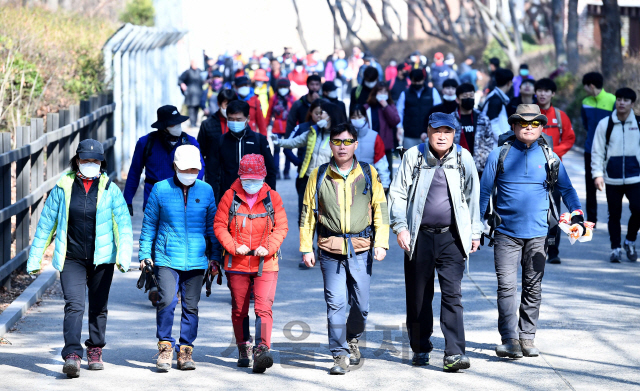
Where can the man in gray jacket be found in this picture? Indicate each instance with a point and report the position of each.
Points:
(434, 210)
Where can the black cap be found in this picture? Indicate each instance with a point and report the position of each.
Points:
(168, 116)
(90, 149)
(329, 86)
(242, 81)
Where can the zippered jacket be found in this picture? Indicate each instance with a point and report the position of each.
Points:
(594, 109)
(620, 165)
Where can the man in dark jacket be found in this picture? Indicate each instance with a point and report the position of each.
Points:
(298, 112)
(448, 104)
(360, 94)
(413, 106)
(330, 93)
(240, 140)
(401, 81)
(191, 85)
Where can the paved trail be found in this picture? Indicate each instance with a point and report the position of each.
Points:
(588, 330)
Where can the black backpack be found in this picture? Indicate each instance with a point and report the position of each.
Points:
(610, 129)
(151, 140)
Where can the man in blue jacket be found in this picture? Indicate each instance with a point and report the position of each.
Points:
(522, 202)
(154, 153)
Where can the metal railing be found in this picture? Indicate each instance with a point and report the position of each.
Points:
(41, 158)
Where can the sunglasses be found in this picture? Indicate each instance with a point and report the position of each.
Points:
(534, 124)
(337, 142)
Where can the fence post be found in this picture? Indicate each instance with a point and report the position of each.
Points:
(23, 170)
(37, 172)
(111, 156)
(74, 112)
(64, 157)
(94, 105)
(5, 200)
(85, 109)
(53, 122)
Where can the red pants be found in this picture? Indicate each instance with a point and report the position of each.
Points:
(264, 290)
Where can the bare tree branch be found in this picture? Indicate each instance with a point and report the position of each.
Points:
(299, 27)
(349, 27)
(416, 10)
(385, 30)
(499, 32)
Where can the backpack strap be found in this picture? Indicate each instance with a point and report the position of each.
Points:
(322, 172)
(268, 207)
(461, 170)
(233, 211)
(559, 119)
(608, 135)
(366, 168)
(151, 138)
(358, 91)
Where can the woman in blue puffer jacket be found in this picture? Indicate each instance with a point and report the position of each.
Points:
(178, 219)
(94, 233)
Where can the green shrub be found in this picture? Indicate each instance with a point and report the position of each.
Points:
(139, 12)
(528, 38)
(89, 77)
(494, 49)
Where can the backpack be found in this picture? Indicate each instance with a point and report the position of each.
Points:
(559, 125)
(269, 212)
(152, 138)
(610, 129)
(553, 169)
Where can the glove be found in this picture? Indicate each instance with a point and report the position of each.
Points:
(579, 220)
(275, 139)
(130, 209)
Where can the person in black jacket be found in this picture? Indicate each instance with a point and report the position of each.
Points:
(449, 104)
(400, 84)
(240, 140)
(360, 94)
(211, 130)
(300, 108)
(330, 93)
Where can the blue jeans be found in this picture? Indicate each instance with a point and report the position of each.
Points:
(190, 285)
(346, 282)
(276, 157)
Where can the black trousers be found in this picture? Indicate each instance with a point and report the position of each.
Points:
(76, 276)
(444, 253)
(592, 202)
(193, 115)
(389, 154)
(553, 236)
(614, 202)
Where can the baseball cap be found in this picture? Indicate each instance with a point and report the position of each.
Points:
(187, 157)
(437, 120)
(90, 149)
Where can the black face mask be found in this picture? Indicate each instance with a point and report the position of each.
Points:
(417, 87)
(467, 103)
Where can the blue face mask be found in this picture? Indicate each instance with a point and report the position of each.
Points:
(524, 72)
(252, 186)
(236, 126)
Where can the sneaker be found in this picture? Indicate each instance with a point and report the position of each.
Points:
(245, 355)
(616, 255)
(278, 177)
(94, 358)
(286, 176)
(528, 348)
(630, 248)
(185, 359)
(340, 365)
(554, 260)
(71, 365)
(165, 356)
(510, 348)
(262, 358)
(154, 297)
(456, 362)
(420, 359)
(355, 352)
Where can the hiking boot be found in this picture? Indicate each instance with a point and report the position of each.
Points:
(616, 255)
(554, 260)
(510, 348)
(71, 365)
(528, 348)
(420, 359)
(165, 356)
(630, 248)
(245, 355)
(185, 360)
(355, 352)
(340, 365)
(286, 176)
(94, 358)
(456, 362)
(154, 296)
(278, 177)
(262, 358)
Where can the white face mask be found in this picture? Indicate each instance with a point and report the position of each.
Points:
(370, 84)
(322, 123)
(288, 61)
(223, 112)
(283, 91)
(449, 97)
(381, 97)
(359, 123)
(187, 179)
(299, 68)
(175, 130)
(252, 186)
(244, 91)
(90, 170)
(333, 94)
(259, 84)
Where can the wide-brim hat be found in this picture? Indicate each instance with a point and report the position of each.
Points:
(528, 113)
(168, 116)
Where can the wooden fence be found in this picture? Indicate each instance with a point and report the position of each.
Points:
(41, 158)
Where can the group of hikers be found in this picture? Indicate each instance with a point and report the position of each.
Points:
(211, 207)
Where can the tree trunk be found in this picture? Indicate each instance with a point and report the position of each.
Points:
(343, 15)
(611, 45)
(517, 37)
(299, 28)
(337, 35)
(557, 13)
(573, 55)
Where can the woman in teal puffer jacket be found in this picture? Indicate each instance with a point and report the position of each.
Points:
(94, 233)
(177, 226)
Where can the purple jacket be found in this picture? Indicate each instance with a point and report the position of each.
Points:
(388, 120)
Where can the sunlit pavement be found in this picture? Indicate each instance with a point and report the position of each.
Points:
(588, 331)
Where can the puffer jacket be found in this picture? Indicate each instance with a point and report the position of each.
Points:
(318, 150)
(251, 232)
(180, 232)
(405, 210)
(114, 235)
(484, 142)
(621, 165)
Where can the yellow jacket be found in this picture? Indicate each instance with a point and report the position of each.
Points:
(343, 208)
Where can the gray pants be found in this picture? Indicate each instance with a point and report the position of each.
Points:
(531, 254)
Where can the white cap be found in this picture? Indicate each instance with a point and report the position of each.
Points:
(187, 156)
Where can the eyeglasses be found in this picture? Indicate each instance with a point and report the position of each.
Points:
(534, 124)
(337, 142)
